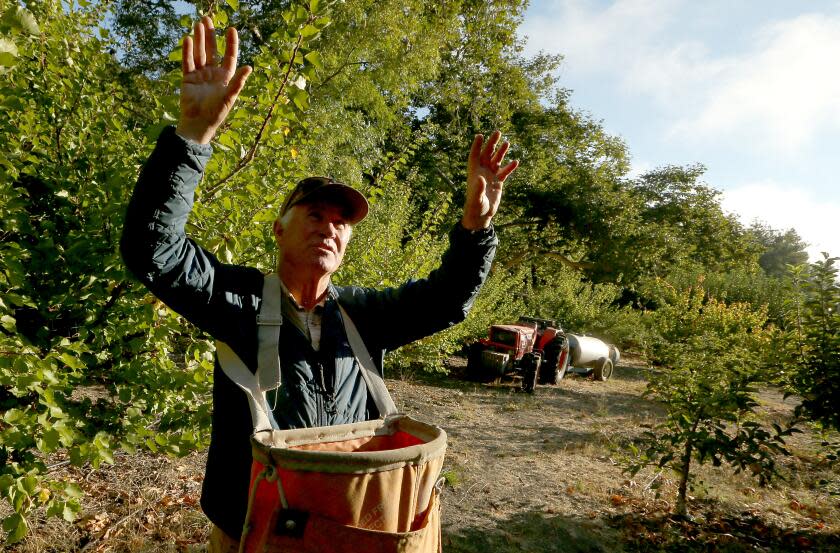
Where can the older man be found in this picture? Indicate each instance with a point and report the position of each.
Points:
(322, 382)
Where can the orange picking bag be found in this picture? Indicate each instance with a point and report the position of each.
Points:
(366, 486)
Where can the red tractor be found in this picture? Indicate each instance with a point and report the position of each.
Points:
(536, 349)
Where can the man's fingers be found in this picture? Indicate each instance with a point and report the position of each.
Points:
(199, 56)
(497, 158)
(507, 170)
(187, 65)
(209, 40)
(237, 83)
(475, 151)
(487, 152)
(231, 50)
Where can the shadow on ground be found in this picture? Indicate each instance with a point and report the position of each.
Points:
(635, 532)
(536, 532)
(713, 531)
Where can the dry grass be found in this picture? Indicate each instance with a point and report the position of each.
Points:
(525, 472)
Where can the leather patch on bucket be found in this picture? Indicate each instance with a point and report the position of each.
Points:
(291, 523)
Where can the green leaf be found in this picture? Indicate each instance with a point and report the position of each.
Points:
(70, 510)
(313, 6)
(12, 415)
(71, 361)
(233, 4)
(309, 30)
(7, 321)
(8, 53)
(22, 19)
(315, 59)
(28, 484)
(6, 482)
(15, 527)
(322, 22)
(220, 19)
(175, 55)
(50, 440)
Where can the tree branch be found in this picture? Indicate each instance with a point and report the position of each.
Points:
(577, 265)
(115, 295)
(252, 151)
(339, 70)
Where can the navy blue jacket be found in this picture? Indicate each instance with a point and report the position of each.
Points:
(223, 300)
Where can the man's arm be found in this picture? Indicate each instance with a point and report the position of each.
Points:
(154, 244)
(393, 317)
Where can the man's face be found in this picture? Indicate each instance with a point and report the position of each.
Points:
(313, 237)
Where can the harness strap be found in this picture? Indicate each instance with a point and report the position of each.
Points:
(269, 321)
(236, 370)
(375, 383)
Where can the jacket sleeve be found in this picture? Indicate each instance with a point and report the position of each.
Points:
(393, 317)
(157, 251)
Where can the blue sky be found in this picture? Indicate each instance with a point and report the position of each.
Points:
(750, 89)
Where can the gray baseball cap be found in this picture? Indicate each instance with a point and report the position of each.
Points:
(312, 189)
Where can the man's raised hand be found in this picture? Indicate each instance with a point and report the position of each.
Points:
(209, 88)
(485, 180)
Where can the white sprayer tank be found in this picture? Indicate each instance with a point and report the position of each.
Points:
(586, 350)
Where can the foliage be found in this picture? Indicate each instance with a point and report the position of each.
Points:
(777, 250)
(815, 337)
(577, 304)
(745, 283)
(712, 360)
(90, 362)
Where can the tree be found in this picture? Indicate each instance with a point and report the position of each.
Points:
(683, 220)
(815, 333)
(777, 249)
(712, 356)
(81, 344)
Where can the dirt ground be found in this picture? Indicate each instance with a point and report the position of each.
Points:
(524, 472)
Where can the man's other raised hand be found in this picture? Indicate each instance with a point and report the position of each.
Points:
(485, 180)
(210, 85)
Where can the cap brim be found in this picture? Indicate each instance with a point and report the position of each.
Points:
(339, 194)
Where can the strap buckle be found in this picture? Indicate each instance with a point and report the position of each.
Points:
(263, 320)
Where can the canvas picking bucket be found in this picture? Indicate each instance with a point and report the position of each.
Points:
(366, 486)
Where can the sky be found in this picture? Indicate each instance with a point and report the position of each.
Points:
(748, 88)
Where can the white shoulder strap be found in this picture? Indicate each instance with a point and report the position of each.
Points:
(269, 321)
(375, 383)
(236, 370)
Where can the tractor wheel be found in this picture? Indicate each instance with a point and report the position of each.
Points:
(603, 369)
(563, 366)
(530, 370)
(551, 371)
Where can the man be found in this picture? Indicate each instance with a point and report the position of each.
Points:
(321, 379)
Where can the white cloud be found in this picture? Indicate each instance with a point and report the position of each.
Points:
(783, 207)
(781, 94)
(592, 40)
(777, 93)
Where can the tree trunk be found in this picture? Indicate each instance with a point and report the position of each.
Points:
(681, 508)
